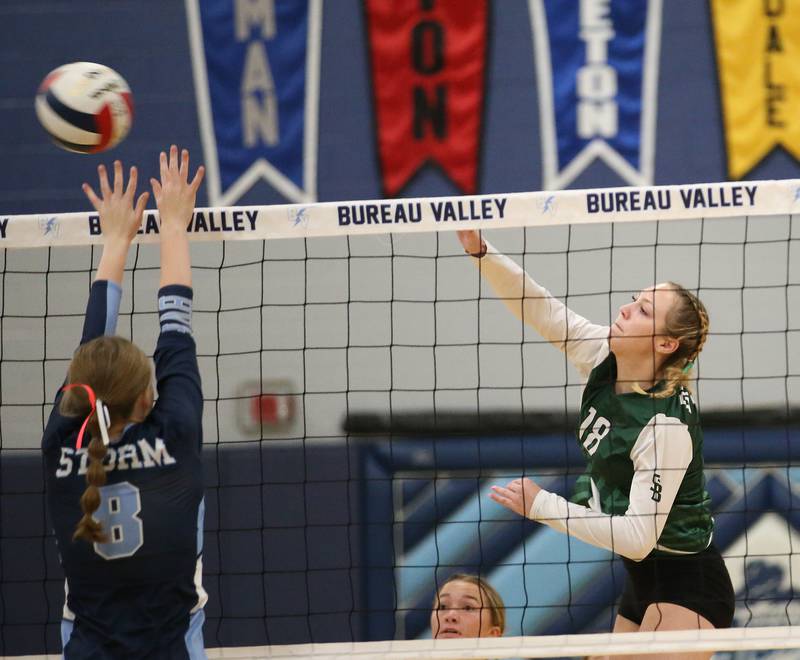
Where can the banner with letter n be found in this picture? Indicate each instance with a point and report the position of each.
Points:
(428, 59)
(758, 50)
(256, 74)
(597, 70)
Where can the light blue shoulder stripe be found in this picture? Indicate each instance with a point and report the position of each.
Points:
(113, 298)
(194, 636)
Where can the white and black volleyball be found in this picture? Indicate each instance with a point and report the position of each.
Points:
(85, 107)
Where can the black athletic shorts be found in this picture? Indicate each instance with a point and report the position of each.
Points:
(699, 582)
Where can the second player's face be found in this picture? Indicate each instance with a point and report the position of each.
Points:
(461, 611)
(641, 322)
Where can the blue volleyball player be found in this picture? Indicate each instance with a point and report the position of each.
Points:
(124, 475)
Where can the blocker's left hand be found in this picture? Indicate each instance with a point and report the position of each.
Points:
(517, 495)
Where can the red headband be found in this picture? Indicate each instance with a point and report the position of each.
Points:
(98, 408)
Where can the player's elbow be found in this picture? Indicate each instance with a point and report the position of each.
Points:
(638, 546)
(636, 553)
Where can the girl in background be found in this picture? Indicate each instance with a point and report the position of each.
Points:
(467, 606)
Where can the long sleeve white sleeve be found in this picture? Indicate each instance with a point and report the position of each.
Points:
(660, 456)
(583, 342)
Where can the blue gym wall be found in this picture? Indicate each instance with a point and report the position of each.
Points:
(147, 42)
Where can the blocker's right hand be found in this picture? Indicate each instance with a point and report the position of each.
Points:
(120, 219)
(175, 196)
(471, 240)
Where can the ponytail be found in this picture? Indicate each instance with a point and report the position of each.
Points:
(88, 528)
(119, 372)
(687, 321)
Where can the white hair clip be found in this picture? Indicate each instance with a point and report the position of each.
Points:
(103, 420)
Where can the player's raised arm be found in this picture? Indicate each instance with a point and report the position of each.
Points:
(175, 197)
(177, 375)
(120, 218)
(583, 341)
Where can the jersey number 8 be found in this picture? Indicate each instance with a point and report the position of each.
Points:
(118, 514)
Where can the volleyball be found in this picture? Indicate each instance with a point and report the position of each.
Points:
(85, 107)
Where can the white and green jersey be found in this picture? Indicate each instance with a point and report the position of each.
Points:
(643, 489)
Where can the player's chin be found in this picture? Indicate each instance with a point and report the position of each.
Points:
(613, 342)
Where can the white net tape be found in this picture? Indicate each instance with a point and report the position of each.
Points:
(678, 641)
(713, 200)
(550, 646)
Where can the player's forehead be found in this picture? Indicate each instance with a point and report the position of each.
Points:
(458, 589)
(658, 295)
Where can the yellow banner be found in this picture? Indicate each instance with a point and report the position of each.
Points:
(758, 57)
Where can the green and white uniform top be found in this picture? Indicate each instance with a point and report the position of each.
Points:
(644, 489)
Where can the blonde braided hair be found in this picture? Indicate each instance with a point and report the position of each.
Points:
(687, 321)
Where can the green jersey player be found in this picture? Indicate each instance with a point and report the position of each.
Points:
(642, 495)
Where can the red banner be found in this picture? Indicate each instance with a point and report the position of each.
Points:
(428, 59)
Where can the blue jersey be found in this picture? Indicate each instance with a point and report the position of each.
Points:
(139, 595)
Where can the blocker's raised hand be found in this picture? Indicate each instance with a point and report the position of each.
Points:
(175, 195)
(120, 219)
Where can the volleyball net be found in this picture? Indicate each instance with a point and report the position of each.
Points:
(364, 388)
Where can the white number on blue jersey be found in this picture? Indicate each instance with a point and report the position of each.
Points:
(118, 514)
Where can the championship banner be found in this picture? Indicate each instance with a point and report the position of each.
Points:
(428, 59)
(429, 214)
(597, 71)
(758, 46)
(256, 74)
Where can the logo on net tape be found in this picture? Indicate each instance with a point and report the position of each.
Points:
(299, 216)
(265, 408)
(50, 227)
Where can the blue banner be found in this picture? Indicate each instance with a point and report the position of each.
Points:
(597, 68)
(253, 72)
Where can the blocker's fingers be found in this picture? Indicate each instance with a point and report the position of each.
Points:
(156, 189)
(184, 168)
(198, 179)
(93, 198)
(133, 179)
(102, 175)
(141, 203)
(173, 157)
(162, 163)
(117, 177)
